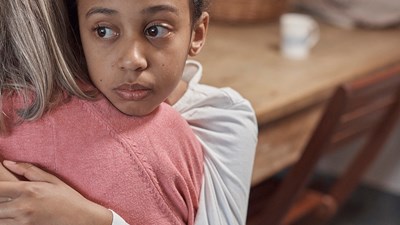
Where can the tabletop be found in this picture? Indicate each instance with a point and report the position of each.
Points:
(288, 95)
(247, 58)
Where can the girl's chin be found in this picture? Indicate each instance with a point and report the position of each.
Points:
(135, 111)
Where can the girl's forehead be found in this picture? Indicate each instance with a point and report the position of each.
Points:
(134, 8)
(181, 5)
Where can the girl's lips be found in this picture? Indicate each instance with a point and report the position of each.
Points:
(132, 92)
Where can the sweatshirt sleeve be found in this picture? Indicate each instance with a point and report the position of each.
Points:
(226, 126)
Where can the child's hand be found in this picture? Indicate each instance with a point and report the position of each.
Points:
(45, 199)
(6, 175)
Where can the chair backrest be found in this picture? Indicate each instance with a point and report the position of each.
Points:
(367, 107)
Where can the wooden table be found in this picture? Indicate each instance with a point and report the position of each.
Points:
(288, 95)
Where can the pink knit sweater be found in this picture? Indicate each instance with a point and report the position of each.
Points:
(148, 170)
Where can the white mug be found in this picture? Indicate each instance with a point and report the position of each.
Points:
(299, 33)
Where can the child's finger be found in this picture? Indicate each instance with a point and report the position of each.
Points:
(9, 190)
(7, 213)
(6, 175)
(30, 172)
(5, 199)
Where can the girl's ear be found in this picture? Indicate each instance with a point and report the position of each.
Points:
(199, 34)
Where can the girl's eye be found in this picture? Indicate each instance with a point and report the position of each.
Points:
(105, 32)
(157, 31)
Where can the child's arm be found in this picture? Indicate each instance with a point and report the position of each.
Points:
(225, 123)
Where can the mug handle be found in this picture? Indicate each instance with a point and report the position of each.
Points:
(314, 35)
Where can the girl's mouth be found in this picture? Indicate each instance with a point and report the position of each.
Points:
(133, 92)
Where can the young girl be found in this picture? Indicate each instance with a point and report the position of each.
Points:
(142, 38)
(217, 117)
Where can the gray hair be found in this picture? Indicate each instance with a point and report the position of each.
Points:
(36, 60)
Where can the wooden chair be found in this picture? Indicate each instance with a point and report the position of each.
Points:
(367, 107)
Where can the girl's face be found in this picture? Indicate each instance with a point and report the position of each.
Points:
(136, 50)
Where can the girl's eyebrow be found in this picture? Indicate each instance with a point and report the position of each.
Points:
(100, 10)
(158, 8)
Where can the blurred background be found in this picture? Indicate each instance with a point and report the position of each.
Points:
(229, 57)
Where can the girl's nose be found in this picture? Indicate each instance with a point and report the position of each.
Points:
(132, 58)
